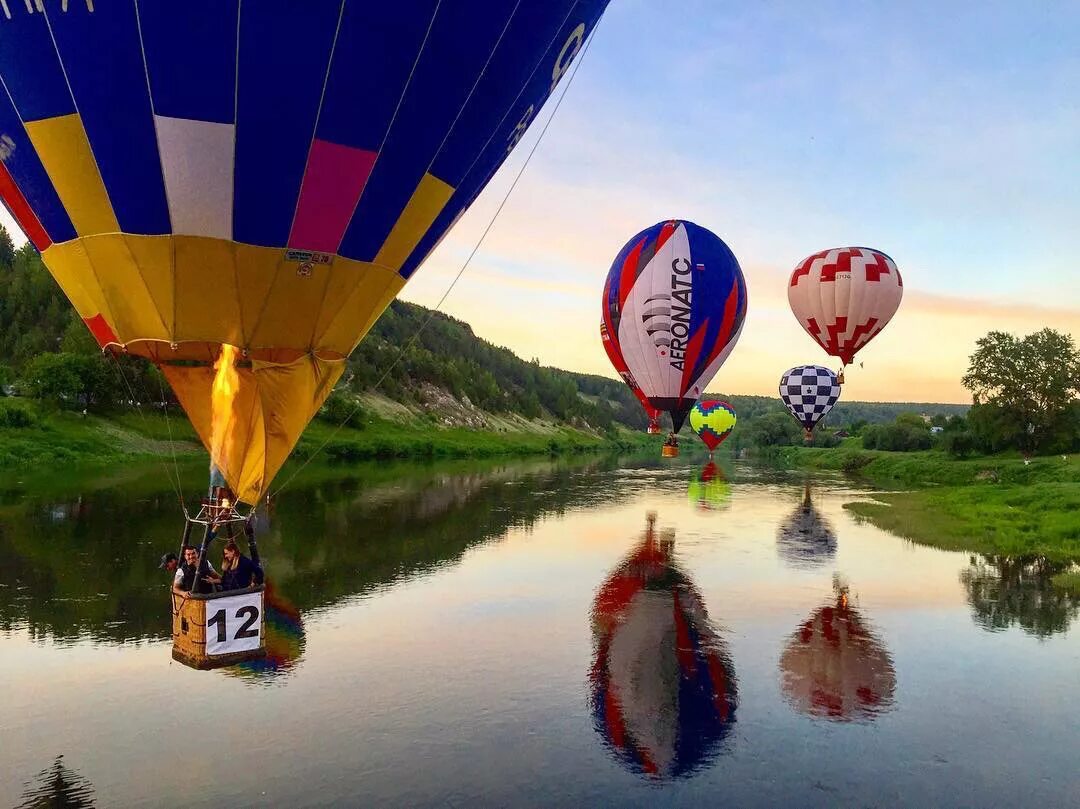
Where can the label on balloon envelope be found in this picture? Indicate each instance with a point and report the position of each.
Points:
(234, 624)
(309, 257)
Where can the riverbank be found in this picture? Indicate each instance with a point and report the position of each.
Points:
(40, 438)
(991, 505)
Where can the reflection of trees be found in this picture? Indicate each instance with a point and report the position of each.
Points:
(662, 686)
(58, 786)
(89, 567)
(1008, 590)
(806, 538)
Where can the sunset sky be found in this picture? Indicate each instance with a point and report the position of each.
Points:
(946, 136)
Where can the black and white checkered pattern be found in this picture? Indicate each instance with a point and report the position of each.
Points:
(809, 391)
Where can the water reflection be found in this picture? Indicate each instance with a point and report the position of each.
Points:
(284, 639)
(58, 786)
(93, 574)
(806, 538)
(1008, 590)
(662, 687)
(835, 667)
(709, 489)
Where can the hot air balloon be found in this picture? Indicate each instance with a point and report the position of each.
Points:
(834, 667)
(806, 538)
(673, 308)
(712, 421)
(251, 184)
(844, 296)
(709, 490)
(662, 688)
(809, 392)
(616, 357)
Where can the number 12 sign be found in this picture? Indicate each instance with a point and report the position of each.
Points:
(234, 624)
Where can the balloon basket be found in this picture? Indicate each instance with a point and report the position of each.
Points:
(235, 632)
(653, 429)
(667, 451)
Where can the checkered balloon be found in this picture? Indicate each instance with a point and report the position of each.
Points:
(809, 391)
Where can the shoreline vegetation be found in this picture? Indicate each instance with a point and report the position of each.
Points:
(994, 505)
(35, 436)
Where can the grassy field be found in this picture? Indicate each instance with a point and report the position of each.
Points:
(932, 467)
(40, 438)
(1040, 518)
(993, 505)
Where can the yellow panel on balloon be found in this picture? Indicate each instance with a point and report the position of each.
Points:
(66, 155)
(207, 295)
(426, 203)
(290, 309)
(359, 292)
(70, 266)
(135, 313)
(153, 256)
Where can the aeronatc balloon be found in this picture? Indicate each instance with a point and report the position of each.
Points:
(712, 421)
(809, 392)
(265, 175)
(616, 357)
(674, 305)
(844, 297)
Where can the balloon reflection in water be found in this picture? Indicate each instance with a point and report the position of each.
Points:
(709, 489)
(834, 667)
(662, 688)
(284, 640)
(58, 786)
(806, 538)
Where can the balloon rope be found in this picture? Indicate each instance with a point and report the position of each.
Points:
(175, 484)
(416, 335)
(172, 444)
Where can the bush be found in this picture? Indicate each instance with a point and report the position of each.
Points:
(959, 444)
(904, 435)
(16, 416)
(344, 410)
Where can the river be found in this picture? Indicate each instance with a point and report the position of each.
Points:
(595, 632)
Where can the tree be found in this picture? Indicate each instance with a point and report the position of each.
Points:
(1029, 384)
(72, 379)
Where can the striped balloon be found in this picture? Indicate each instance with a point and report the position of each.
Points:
(264, 175)
(674, 304)
(712, 421)
(844, 297)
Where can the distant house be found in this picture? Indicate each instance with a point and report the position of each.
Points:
(936, 430)
(842, 434)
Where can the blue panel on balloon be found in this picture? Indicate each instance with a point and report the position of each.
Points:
(109, 86)
(461, 41)
(30, 68)
(191, 58)
(284, 54)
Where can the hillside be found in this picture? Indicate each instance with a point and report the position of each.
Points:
(447, 372)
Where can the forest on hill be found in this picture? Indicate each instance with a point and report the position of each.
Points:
(47, 352)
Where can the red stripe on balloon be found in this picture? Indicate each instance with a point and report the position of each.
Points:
(101, 330)
(21, 211)
(628, 273)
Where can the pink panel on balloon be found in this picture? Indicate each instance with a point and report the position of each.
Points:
(334, 179)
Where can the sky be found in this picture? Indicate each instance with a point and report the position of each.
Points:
(945, 135)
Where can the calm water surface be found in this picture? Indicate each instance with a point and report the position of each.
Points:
(526, 634)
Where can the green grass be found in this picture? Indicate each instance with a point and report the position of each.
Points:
(1040, 518)
(931, 467)
(1069, 581)
(54, 439)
